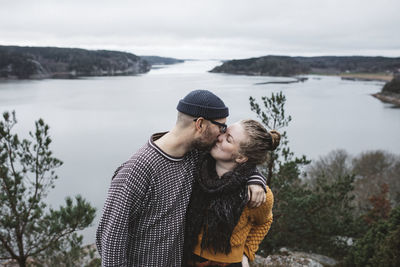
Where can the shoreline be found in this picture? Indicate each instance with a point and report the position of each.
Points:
(366, 77)
(393, 99)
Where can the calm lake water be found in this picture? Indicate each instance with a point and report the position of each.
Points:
(97, 123)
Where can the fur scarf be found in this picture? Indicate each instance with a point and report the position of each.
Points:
(215, 206)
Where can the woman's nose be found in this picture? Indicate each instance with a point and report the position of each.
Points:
(220, 137)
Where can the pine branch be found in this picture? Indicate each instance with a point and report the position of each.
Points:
(8, 248)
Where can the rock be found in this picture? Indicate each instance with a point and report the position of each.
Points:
(282, 260)
(295, 259)
(390, 98)
(391, 91)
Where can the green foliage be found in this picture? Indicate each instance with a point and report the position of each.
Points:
(315, 217)
(273, 117)
(325, 208)
(379, 246)
(28, 228)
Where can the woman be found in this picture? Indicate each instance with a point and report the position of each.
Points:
(220, 229)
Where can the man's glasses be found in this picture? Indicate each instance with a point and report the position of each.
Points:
(222, 126)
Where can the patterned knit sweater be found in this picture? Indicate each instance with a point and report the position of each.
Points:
(250, 230)
(144, 214)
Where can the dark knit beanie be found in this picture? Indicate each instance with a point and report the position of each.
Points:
(203, 103)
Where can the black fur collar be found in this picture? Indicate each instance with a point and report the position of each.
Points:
(215, 205)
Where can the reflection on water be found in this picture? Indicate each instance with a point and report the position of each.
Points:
(97, 123)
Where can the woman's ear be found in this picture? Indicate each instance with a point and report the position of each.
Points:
(241, 159)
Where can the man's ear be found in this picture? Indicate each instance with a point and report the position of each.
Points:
(199, 124)
(241, 159)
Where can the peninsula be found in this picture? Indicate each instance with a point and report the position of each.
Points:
(391, 91)
(52, 62)
(356, 67)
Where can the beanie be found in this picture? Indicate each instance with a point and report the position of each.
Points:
(203, 103)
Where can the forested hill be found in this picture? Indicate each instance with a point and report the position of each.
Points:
(289, 66)
(51, 62)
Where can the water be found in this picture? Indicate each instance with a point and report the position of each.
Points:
(97, 123)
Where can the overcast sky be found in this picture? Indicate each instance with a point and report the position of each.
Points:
(207, 29)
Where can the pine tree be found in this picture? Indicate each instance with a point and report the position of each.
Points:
(29, 229)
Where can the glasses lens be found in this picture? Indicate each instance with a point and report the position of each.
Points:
(222, 126)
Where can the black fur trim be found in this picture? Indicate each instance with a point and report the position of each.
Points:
(215, 206)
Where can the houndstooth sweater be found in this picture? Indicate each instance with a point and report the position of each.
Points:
(144, 213)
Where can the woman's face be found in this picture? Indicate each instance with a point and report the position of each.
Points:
(228, 144)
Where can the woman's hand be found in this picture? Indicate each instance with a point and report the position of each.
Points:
(256, 195)
(245, 261)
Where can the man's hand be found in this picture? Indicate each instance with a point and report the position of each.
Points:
(256, 195)
(245, 261)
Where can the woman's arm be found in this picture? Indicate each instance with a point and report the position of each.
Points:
(256, 185)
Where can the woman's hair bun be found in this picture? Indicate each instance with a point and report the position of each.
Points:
(276, 138)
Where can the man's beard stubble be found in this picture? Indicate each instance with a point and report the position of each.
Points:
(202, 144)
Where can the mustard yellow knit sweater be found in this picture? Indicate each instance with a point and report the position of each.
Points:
(252, 227)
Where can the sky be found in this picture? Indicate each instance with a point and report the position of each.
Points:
(207, 29)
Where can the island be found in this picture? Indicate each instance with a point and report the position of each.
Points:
(53, 62)
(351, 67)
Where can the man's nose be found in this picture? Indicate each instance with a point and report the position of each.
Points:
(219, 138)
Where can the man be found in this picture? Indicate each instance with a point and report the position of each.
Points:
(144, 214)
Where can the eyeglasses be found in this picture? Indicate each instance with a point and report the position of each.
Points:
(222, 126)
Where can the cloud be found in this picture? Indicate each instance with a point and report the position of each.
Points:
(200, 29)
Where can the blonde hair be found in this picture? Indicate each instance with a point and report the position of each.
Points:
(259, 141)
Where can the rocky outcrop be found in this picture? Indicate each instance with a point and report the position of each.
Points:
(391, 91)
(294, 259)
(52, 62)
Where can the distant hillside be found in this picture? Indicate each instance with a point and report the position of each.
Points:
(156, 60)
(290, 66)
(51, 62)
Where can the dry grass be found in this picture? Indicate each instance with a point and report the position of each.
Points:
(368, 76)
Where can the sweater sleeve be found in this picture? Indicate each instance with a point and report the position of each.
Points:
(257, 178)
(126, 193)
(261, 222)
